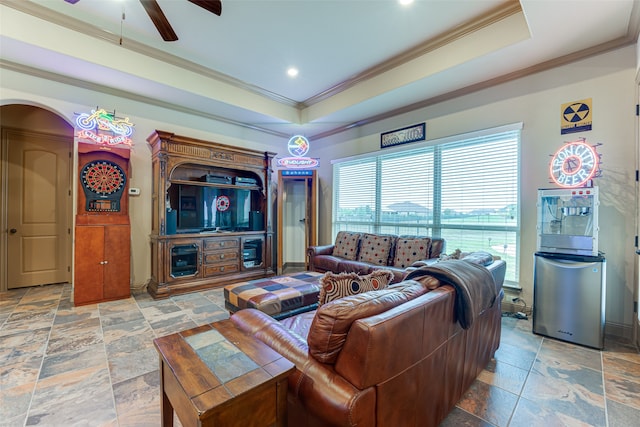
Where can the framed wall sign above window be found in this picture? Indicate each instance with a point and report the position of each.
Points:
(403, 136)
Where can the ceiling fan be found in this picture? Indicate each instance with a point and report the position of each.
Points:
(160, 20)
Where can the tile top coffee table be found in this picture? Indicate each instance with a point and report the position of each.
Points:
(218, 375)
(277, 296)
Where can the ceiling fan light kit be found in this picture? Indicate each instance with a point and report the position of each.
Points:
(161, 22)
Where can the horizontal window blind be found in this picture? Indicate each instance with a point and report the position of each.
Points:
(465, 191)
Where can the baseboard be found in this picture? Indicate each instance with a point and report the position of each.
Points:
(294, 266)
(139, 289)
(618, 330)
(512, 307)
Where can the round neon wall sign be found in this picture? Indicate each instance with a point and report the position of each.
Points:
(574, 164)
(298, 147)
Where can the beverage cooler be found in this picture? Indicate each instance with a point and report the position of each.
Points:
(569, 284)
(569, 298)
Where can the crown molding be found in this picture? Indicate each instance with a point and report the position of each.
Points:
(87, 29)
(618, 43)
(503, 11)
(60, 78)
(509, 8)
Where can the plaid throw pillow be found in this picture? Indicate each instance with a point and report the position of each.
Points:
(334, 286)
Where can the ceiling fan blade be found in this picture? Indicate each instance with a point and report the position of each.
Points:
(159, 20)
(72, 1)
(213, 6)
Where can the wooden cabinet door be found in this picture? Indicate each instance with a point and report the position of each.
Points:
(183, 260)
(89, 270)
(117, 267)
(102, 263)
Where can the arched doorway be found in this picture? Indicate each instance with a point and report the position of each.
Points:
(36, 208)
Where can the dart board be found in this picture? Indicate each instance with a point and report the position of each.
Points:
(103, 182)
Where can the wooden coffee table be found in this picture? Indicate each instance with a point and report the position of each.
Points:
(217, 375)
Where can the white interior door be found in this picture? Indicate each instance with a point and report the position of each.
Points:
(38, 209)
(294, 222)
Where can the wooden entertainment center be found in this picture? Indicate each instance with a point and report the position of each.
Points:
(212, 214)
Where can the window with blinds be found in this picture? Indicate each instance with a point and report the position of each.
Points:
(465, 191)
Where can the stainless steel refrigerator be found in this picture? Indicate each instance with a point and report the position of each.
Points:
(569, 294)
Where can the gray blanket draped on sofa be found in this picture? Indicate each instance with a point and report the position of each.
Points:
(474, 285)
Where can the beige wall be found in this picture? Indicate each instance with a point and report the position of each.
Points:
(535, 101)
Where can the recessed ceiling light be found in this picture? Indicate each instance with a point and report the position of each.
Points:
(292, 72)
(405, 2)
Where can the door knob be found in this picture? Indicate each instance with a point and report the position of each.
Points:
(13, 231)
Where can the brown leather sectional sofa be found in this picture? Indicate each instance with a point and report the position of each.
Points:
(393, 357)
(364, 253)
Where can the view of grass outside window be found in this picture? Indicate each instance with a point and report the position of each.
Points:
(463, 190)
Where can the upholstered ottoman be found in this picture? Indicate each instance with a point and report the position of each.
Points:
(277, 296)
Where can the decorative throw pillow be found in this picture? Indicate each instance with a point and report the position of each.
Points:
(334, 286)
(410, 250)
(457, 254)
(375, 248)
(346, 245)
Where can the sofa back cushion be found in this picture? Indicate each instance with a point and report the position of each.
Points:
(339, 285)
(346, 245)
(331, 324)
(376, 248)
(410, 249)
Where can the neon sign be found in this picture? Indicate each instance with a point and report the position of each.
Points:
(574, 164)
(103, 128)
(298, 147)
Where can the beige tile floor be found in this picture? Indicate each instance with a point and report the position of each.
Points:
(95, 365)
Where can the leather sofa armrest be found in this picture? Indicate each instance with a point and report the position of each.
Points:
(424, 262)
(498, 269)
(314, 385)
(320, 250)
(313, 251)
(273, 333)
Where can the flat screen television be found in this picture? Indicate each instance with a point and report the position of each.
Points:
(201, 208)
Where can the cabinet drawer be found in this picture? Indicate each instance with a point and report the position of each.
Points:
(220, 243)
(213, 269)
(218, 257)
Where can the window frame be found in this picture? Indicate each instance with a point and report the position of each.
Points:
(434, 227)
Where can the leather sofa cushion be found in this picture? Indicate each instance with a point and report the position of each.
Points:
(340, 285)
(331, 324)
(346, 245)
(479, 257)
(327, 263)
(376, 248)
(352, 266)
(410, 250)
